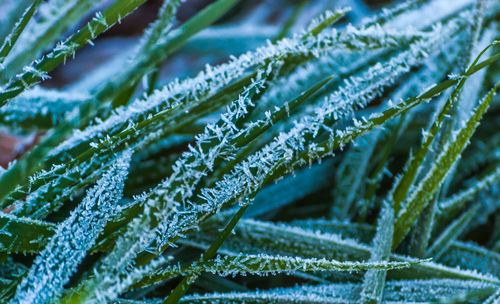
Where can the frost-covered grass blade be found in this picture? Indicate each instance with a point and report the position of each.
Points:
(249, 152)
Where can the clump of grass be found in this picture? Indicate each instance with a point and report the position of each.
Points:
(351, 158)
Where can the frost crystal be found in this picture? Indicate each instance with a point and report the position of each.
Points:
(74, 237)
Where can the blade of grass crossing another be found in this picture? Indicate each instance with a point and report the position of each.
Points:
(404, 183)
(183, 286)
(432, 181)
(38, 71)
(374, 280)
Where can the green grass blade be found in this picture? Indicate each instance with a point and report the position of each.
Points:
(422, 231)
(403, 184)
(494, 298)
(22, 169)
(183, 286)
(351, 173)
(11, 39)
(166, 46)
(53, 18)
(451, 233)
(283, 239)
(86, 34)
(430, 184)
(23, 235)
(325, 21)
(374, 280)
(451, 205)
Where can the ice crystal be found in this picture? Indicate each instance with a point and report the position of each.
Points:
(74, 237)
(343, 153)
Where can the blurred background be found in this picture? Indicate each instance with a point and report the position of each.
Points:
(261, 20)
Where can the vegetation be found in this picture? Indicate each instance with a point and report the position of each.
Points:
(334, 156)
